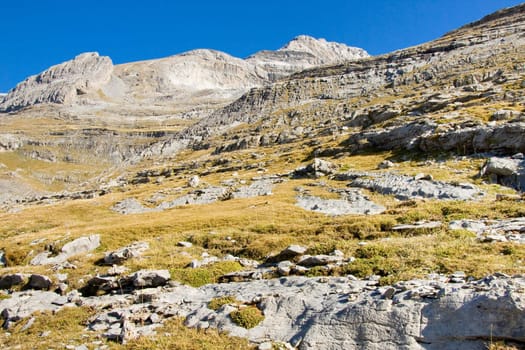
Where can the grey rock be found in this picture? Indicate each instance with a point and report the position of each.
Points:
(284, 267)
(504, 230)
(407, 187)
(319, 260)
(503, 114)
(386, 164)
(131, 206)
(418, 226)
(81, 245)
(3, 259)
(352, 202)
(78, 246)
(23, 304)
(39, 282)
(200, 196)
(257, 188)
(10, 142)
(133, 250)
(185, 244)
(505, 171)
(340, 312)
(319, 167)
(291, 252)
(116, 270)
(194, 181)
(150, 278)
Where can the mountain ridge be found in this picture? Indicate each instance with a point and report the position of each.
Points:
(160, 80)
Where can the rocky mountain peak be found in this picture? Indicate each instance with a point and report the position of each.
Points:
(202, 75)
(326, 52)
(61, 83)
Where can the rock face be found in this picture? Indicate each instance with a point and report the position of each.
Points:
(334, 313)
(202, 75)
(62, 83)
(301, 53)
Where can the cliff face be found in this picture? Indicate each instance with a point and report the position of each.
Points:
(61, 84)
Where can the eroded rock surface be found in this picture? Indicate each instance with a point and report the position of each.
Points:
(61, 83)
(505, 230)
(351, 202)
(408, 187)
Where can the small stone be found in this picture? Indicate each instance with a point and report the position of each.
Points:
(388, 293)
(185, 244)
(265, 346)
(194, 181)
(386, 164)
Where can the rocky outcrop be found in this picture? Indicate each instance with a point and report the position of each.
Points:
(506, 171)
(505, 230)
(351, 202)
(411, 187)
(10, 142)
(301, 53)
(78, 246)
(62, 83)
(442, 312)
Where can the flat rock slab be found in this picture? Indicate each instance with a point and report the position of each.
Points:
(506, 230)
(351, 203)
(418, 226)
(339, 312)
(23, 304)
(405, 187)
(131, 206)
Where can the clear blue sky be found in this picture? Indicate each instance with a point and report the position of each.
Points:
(36, 34)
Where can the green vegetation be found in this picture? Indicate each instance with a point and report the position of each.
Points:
(247, 317)
(217, 303)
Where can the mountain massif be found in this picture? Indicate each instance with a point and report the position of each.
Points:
(312, 197)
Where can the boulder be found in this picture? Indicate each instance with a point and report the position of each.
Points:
(3, 259)
(319, 167)
(78, 246)
(133, 250)
(319, 260)
(291, 252)
(505, 171)
(39, 282)
(150, 278)
(11, 280)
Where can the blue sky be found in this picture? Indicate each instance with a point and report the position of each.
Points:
(36, 34)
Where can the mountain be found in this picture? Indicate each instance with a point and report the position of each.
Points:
(200, 75)
(311, 197)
